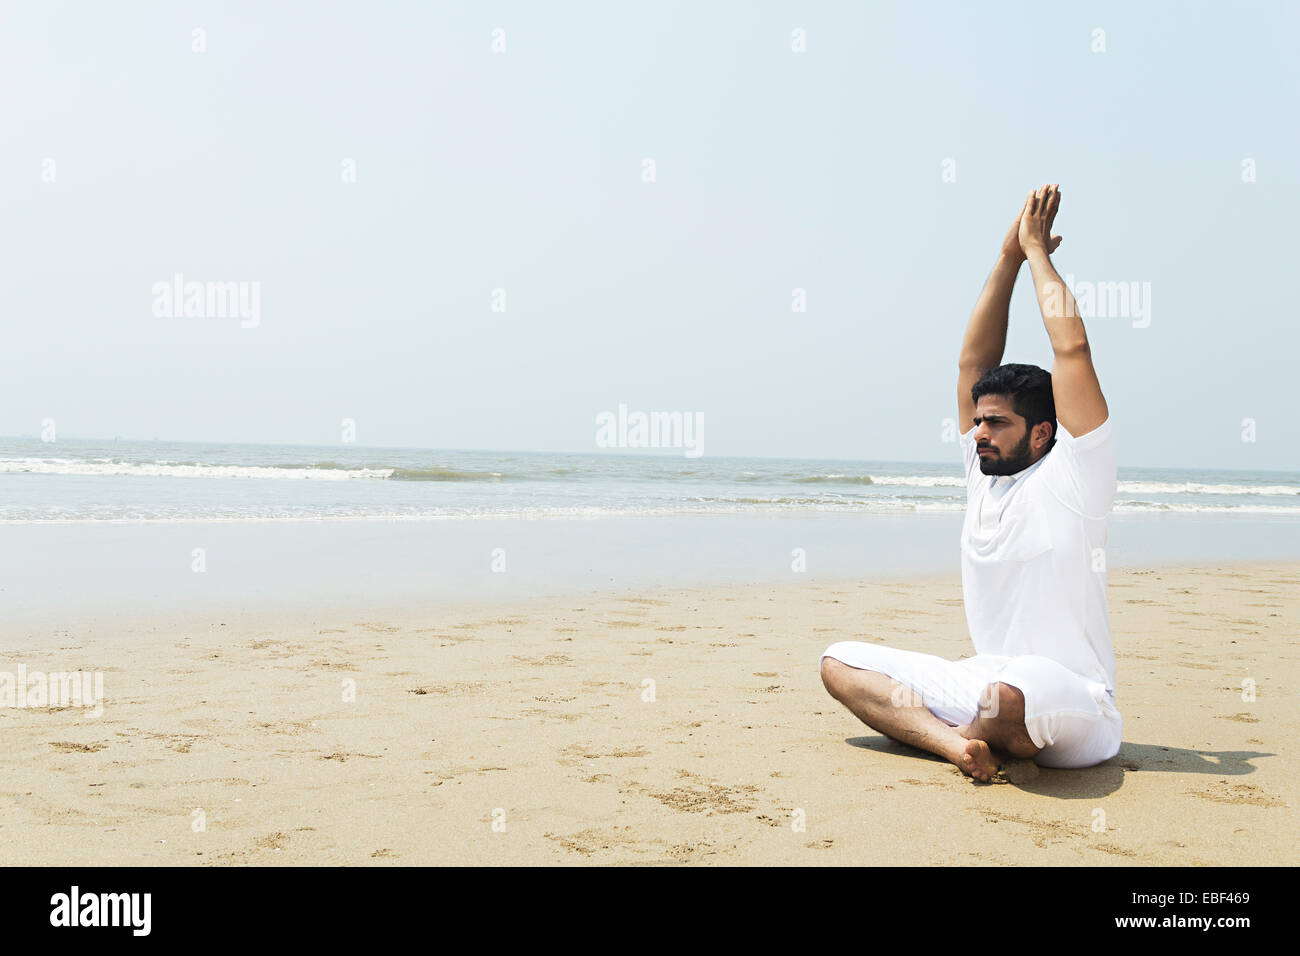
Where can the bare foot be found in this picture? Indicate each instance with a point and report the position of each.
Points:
(977, 760)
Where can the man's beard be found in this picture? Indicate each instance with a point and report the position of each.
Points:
(1017, 461)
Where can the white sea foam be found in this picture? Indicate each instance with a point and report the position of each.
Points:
(1195, 488)
(107, 467)
(882, 506)
(919, 481)
(159, 469)
(1128, 487)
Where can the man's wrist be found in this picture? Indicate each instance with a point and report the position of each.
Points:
(1036, 251)
(1007, 260)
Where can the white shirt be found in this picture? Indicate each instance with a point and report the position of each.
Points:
(1033, 566)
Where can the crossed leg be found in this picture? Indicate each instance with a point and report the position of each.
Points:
(895, 710)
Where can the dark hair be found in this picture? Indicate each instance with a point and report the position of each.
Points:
(1030, 388)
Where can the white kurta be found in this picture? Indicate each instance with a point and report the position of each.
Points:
(1033, 555)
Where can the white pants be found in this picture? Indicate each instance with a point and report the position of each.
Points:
(1073, 719)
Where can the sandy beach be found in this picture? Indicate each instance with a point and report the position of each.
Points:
(679, 727)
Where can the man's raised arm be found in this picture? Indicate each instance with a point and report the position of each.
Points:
(986, 334)
(1080, 405)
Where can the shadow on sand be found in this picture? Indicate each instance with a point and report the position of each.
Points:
(1092, 782)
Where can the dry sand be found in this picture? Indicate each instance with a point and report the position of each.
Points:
(525, 734)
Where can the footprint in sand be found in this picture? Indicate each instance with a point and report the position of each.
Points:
(342, 756)
(458, 688)
(589, 841)
(548, 660)
(703, 796)
(1238, 793)
(68, 746)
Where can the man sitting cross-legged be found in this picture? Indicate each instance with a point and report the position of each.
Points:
(1040, 480)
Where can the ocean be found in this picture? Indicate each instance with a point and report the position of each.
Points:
(132, 529)
(132, 481)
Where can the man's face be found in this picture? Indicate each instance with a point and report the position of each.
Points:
(1001, 437)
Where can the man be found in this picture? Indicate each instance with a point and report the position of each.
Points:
(1042, 681)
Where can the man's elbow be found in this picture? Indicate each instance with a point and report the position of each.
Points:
(1073, 347)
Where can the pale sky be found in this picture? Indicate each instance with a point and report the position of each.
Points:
(522, 170)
